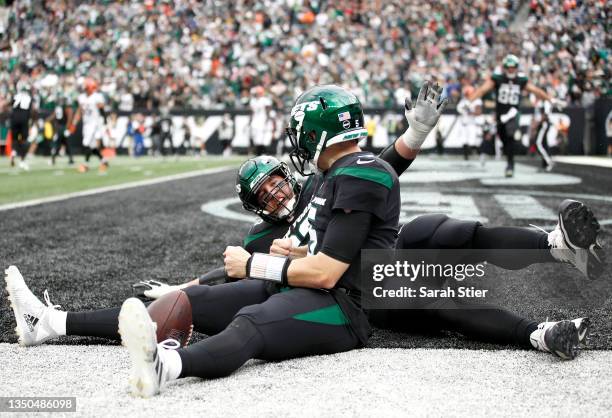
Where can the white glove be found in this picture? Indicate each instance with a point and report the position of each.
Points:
(507, 116)
(67, 133)
(558, 103)
(153, 289)
(423, 116)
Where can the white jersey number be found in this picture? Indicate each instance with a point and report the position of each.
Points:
(22, 101)
(509, 94)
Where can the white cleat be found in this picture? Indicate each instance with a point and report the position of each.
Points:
(31, 315)
(138, 335)
(559, 338)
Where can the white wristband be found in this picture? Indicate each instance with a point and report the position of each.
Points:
(415, 135)
(268, 267)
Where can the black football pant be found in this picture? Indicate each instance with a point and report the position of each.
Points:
(165, 136)
(487, 323)
(481, 322)
(438, 231)
(61, 139)
(246, 321)
(20, 133)
(506, 135)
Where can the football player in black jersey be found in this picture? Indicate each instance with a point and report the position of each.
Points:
(400, 155)
(288, 307)
(334, 314)
(22, 113)
(509, 85)
(61, 135)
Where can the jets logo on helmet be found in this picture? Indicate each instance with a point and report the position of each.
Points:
(321, 117)
(267, 188)
(511, 64)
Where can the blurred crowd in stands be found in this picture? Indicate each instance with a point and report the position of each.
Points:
(212, 54)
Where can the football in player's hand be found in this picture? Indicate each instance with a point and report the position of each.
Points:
(172, 313)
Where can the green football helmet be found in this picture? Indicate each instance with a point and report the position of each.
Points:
(253, 174)
(511, 61)
(321, 117)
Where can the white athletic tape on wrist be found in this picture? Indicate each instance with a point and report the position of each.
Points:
(415, 135)
(268, 267)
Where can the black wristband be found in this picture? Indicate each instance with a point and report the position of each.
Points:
(248, 266)
(284, 278)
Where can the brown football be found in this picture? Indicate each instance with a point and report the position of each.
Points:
(172, 313)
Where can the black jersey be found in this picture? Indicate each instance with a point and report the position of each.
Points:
(508, 92)
(60, 118)
(22, 107)
(357, 182)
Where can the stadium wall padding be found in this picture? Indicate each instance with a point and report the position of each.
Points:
(389, 124)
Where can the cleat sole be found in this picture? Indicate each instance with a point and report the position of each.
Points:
(562, 340)
(134, 328)
(10, 284)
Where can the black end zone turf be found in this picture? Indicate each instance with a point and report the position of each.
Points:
(88, 251)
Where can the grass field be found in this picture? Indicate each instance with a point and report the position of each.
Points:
(43, 180)
(88, 250)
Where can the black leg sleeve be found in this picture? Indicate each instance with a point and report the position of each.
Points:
(100, 323)
(489, 323)
(489, 239)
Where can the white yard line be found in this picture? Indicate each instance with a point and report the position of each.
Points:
(123, 186)
(585, 160)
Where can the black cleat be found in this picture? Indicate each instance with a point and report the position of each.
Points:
(574, 240)
(559, 338)
(583, 325)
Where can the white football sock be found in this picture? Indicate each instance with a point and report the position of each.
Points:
(172, 363)
(57, 321)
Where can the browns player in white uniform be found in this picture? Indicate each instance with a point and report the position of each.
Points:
(91, 110)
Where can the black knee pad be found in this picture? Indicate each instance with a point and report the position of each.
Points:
(435, 231)
(417, 233)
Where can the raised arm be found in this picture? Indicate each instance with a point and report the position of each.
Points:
(483, 89)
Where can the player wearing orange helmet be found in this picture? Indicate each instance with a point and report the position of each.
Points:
(91, 111)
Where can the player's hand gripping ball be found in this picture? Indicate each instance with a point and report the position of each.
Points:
(172, 314)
